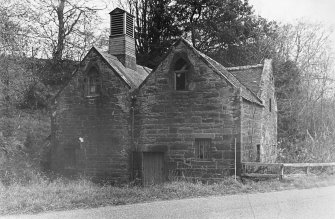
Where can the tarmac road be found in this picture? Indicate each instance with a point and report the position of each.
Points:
(307, 203)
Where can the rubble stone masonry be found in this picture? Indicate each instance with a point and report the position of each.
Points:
(170, 121)
(101, 122)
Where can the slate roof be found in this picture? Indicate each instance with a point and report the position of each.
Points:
(246, 92)
(247, 78)
(250, 76)
(131, 77)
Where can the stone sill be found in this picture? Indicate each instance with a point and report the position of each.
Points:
(92, 97)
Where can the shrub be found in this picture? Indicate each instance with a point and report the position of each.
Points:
(35, 96)
(309, 150)
(22, 145)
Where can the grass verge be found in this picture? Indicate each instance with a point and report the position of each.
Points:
(61, 194)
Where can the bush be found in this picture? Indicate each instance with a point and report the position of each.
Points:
(23, 145)
(51, 72)
(309, 150)
(35, 96)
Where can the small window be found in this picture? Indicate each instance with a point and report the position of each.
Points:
(180, 70)
(180, 80)
(270, 105)
(92, 83)
(202, 148)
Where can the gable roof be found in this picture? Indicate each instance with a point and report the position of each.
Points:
(131, 77)
(250, 76)
(246, 92)
(119, 10)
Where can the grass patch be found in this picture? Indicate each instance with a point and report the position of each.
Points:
(61, 194)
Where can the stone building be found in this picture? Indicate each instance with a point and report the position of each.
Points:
(190, 116)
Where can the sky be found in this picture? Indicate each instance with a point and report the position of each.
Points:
(289, 10)
(286, 11)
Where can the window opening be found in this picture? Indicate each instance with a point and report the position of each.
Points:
(180, 80)
(270, 105)
(180, 69)
(202, 147)
(92, 83)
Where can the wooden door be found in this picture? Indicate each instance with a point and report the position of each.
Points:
(153, 168)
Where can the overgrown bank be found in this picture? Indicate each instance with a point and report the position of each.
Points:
(42, 194)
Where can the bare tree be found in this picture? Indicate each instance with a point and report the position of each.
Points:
(65, 27)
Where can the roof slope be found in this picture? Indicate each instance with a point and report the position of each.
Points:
(249, 76)
(246, 92)
(131, 77)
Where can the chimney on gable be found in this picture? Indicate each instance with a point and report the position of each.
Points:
(121, 39)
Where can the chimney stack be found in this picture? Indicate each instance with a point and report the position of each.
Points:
(121, 39)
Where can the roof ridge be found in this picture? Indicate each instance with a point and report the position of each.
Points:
(115, 68)
(207, 57)
(244, 67)
(229, 77)
(133, 78)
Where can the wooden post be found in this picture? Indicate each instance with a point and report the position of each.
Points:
(307, 168)
(281, 174)
(235, 159)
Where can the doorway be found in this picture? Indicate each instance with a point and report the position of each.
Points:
(153, 168)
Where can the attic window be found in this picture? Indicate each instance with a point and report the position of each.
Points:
(92, 83)
(180, 74)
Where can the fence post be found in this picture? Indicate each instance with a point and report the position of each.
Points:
(235, 164)
(281, 176)
(307, 170)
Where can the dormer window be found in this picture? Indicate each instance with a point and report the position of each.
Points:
(92, 83)
(180, 74)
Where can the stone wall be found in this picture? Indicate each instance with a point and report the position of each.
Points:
(118, 126)
(102, 123)
(259, 124)
(251, 130)
(269, 115)
(170, 121)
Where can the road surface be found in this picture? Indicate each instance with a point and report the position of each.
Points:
(307, 203)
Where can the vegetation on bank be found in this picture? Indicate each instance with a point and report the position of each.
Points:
(303, 72)
(41, 194)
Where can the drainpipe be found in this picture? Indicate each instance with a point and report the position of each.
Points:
(133, 99)
(235, 159)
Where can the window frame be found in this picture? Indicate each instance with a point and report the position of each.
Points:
(92, 79)
(202, 148)
(182, 70)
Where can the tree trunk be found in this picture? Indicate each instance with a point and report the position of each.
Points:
(58, 53)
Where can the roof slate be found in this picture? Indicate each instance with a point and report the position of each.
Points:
(131, 77)
(246, 92)
(249, 76)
